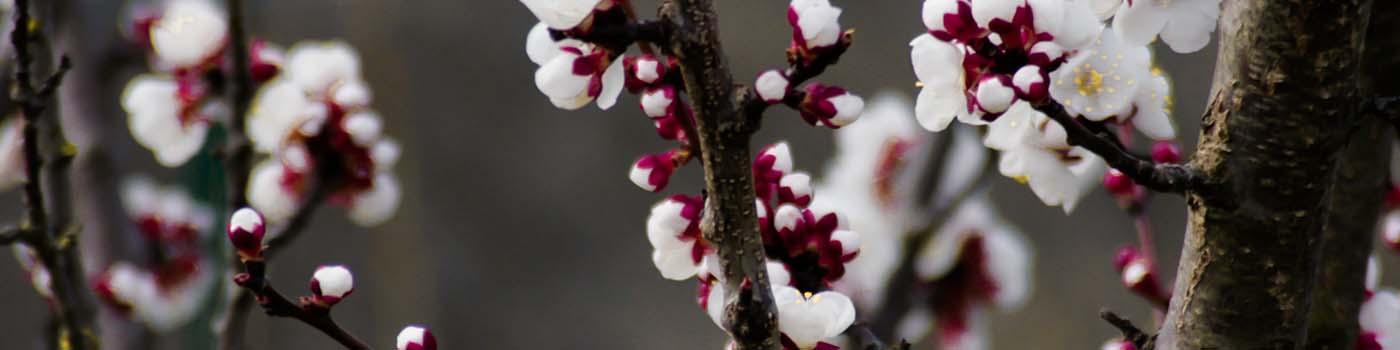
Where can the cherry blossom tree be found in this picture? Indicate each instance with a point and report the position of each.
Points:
(1283, 192)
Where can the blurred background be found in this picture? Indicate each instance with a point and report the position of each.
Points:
(519, 228)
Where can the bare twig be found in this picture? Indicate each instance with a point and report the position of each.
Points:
(275, 304)
(799, 71)
(10, 235)
(1141, 340)
(1173, 178)
(239, 155)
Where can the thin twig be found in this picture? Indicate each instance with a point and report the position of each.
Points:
(799, 71)
(275, 304)
(1172, 178)
(632, 17)
(1141, 340)
(10, 235)
(239, 155)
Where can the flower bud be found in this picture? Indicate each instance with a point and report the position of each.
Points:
(796, 189)
(1390, 230)
(652, 172)
(416, 337)
(830, 106)
(1166, 152)
(1119, 344)
(771, 86)
(1139, 275)
(246, 230)
(994, 95)
(648, 69)
(658, 102)
(1118, 183)
(815, 24)
(330, 284)
(1030, 83)
(849, 240)
(264, 61)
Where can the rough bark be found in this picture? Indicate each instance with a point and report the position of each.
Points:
(1357, 194)
(731, 222)
(1284, 101)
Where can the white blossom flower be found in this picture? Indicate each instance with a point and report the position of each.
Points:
(1185, 25)
(1101, 81)
(674, 231)
(377, 204)
(12, 163)
(830, 106)
(1034, 150)
(163, 121)
(1380, 321)
(562, 14)
(938, 65)
(415, 338)
(575, 73)
(1153, 106)
(331, 284)
(815, 22)
(808, 319)
(976, 240)
(268, 195)
(189, 33)
(162, 307)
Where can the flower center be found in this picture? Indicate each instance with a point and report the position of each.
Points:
(1088, 80)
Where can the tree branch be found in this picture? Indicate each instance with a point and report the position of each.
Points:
(238, 151)
(730, 221)
(47, 157)
(1277, 124)
(799, 71)
(1173, 178)
(1140, 339)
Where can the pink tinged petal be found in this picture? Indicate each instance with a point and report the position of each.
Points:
(331, 284)
(556, 79)
(379, 203)
(1030, 83)
(994, 95)
(246, 230)
(667, 224)
(561, 14)
(652, 172)
(268, 196)
(795, 188)
(850, 241)
(984, 11)
(1045, 52)
(649, 70)
(1139, 22)
(1190, 30)
(787, 217)
(657, 102)
(934, 12)
(818, 24)
(614, 79)
(771, 86)
(189, 33)
(415, 338)
(848, 108)
(1381, 312)
(540, 45)
(154, 118)
(782, 157)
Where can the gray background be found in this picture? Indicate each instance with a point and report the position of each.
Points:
(519, 228)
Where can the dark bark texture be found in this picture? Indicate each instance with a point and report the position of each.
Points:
(1357, 194)
(1283, 104)
(731, 222)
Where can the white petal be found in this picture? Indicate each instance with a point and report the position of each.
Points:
(364, 127)
(665, 225)
(994, 96)
(266, 194)
(155, 123)
(1381, 312)
(317, 66)
(1373, 273)
(334, 281)
(189, 32)
(819, 26)
(352, 94)
(778, 274)
(557, 80)
(656, 103)
(848, 109)
(278, 108)
(1152, 118)
(613, 80)
(850, 241)
(1103, 9)
(1011, 267)
(561, 14)
(934, 10)
(385, 154)
(377, 204)
(983, 11)
(539, 45)
(674, 264)
(782, 155)
(772, 86)
(1190, 30)
(714, 304)
(1140, 22)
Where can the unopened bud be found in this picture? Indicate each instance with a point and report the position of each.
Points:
(330, 284)
(246, 229)
(416, 338)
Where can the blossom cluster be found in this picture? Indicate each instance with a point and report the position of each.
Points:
(974, 261)
(807, 243)
(1005, 63)
(311, 117)
(169, 290)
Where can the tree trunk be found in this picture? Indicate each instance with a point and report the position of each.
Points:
(1283, 104)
